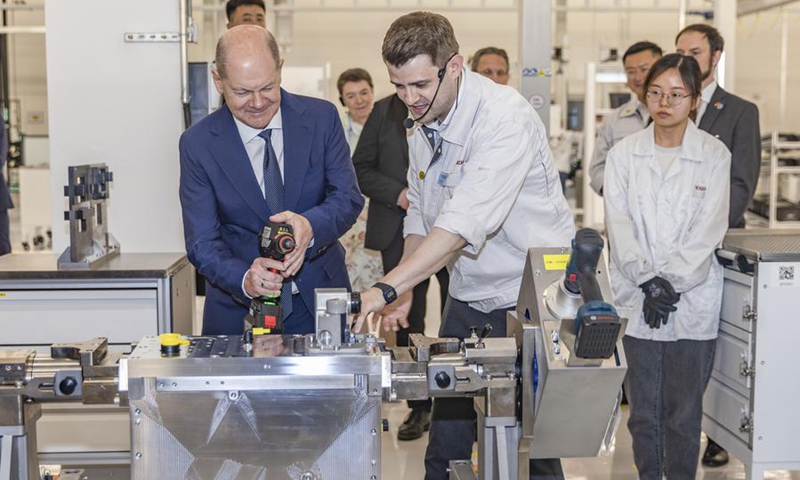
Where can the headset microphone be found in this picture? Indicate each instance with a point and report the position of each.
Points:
(408, 123)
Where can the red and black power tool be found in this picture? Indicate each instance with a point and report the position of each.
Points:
(275, 241)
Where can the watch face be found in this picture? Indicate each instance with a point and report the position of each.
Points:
(390, 295)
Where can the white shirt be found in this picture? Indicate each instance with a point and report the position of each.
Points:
(705, 99)
(495, 185)
(352, 131)
(255, 145)
(668, 226)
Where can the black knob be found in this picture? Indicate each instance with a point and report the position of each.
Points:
(385, 424)
(442, 379)
(68, 386)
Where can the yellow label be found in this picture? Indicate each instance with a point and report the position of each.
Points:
(2, 294)
(556, 261)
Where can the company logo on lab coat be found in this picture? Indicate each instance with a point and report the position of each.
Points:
(700, 188)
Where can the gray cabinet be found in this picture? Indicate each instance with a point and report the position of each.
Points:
(750, 405)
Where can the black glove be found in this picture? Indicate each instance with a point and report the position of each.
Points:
(659, 300)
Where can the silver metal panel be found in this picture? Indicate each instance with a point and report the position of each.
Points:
(728, 407)
(68, 315)
(777, 389)
(732, 353)
(261, 417)
(259, 435)
(765, 245)
(562, 390)
(737, 298)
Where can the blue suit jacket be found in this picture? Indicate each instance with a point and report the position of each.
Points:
(224, 209)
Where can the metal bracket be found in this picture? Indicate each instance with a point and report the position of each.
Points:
(749, 314)
(745, 370)
(746, 424)
(152, 37)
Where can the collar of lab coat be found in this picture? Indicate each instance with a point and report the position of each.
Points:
(456, 128)
(631, 107)
(691, 146)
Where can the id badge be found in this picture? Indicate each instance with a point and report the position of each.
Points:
(442, 180)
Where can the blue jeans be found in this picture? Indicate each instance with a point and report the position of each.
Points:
(665, 385)
(453, 419)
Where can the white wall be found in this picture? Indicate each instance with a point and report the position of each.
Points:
(117, 103)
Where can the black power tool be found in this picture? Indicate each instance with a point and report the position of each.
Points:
(266, 315)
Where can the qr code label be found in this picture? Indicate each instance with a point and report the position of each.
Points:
(786, 273)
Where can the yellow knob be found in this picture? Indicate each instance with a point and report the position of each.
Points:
(172, 340)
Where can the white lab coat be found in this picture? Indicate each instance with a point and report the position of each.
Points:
(495, 185)
(669, 226)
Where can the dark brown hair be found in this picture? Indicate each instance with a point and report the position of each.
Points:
(419, 33)
(715, 40)
(353, 75)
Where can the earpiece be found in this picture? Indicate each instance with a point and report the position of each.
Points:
(341, 100)
(440, 74)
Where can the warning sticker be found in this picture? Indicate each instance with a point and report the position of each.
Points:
(556, 261)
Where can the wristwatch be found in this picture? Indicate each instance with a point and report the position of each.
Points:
(389, 293)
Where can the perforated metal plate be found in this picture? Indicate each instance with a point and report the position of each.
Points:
(764, 245)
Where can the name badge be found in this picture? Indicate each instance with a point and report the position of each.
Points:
(442, 180)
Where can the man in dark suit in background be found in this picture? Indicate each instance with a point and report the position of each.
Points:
(731, 119)
(267, 155)
(5, 195)
(734, 121)
(381, 162)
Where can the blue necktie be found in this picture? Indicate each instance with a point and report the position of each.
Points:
(273, 194)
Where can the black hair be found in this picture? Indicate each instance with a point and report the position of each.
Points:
(232, 5)
(640, 47)
(687, 67)
(715, 40)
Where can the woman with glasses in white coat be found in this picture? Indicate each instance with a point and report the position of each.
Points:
(666, 200)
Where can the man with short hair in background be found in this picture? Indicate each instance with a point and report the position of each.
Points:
(734, 121)
(246, 12)
(491, 62)
(729, 118)
(630, 117)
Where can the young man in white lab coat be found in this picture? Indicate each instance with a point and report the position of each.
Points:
(482, 189)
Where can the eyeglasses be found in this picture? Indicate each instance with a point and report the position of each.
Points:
(674, 98)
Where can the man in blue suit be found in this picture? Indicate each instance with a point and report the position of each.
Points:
(266, 155)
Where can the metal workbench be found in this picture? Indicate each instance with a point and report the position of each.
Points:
(750, 406)
(128, 297)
